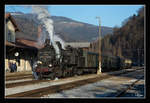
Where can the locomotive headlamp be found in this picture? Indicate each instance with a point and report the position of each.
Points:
(39, 62)
(35, 65)
(50, 65)
(16, 54)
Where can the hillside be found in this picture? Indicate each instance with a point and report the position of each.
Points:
(68, 29)
(77, 31)
(126, 41)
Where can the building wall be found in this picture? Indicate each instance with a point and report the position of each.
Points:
(6, 65)
(28, 66)
(7, 61)
(24, 65)
(10, 32)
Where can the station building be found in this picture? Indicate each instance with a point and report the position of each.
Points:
(19, 50)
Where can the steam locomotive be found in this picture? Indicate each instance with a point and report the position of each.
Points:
(72, 62)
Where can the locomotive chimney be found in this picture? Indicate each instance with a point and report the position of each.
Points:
(47, 41)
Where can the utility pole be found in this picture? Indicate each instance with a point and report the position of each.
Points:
(138, 57)
(100, 58)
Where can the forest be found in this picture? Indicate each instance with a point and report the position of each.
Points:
(127, 41)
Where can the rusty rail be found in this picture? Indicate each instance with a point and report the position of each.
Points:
(18, 77)
(121, 93)
(23, 83)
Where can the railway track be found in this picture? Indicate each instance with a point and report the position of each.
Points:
(18, 77)
(31, 82)
(123, 92)
(18, 74)
(23, 83)
(14, 74)
(56, 88)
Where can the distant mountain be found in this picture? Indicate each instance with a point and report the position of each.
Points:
(68, 29)
(77, 31)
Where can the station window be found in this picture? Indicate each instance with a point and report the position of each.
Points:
(9, 36)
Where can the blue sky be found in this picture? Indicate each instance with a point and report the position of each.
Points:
(111, 15)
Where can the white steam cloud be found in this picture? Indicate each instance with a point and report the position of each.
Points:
(57, 38)
(44, 17)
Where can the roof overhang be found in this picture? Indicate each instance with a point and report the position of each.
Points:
(8, 16)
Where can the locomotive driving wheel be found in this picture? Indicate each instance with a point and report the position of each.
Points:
(39, 76)
(52, 76)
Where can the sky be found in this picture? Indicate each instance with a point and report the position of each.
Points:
(110, 15)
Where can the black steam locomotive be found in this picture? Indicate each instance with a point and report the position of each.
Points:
(72, 62)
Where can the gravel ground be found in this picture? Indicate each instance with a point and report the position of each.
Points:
(103, 89)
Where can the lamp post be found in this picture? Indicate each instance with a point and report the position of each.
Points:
(100, 58)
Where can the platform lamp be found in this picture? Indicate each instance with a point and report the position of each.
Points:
(17, 56)
(100, 57)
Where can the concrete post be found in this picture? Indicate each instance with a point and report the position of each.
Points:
(100, 64)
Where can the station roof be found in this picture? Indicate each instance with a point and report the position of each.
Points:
(21, 42)
(78, 44)
(8, 16)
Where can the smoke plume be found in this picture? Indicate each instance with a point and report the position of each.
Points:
(57, 38)
(46, 22)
